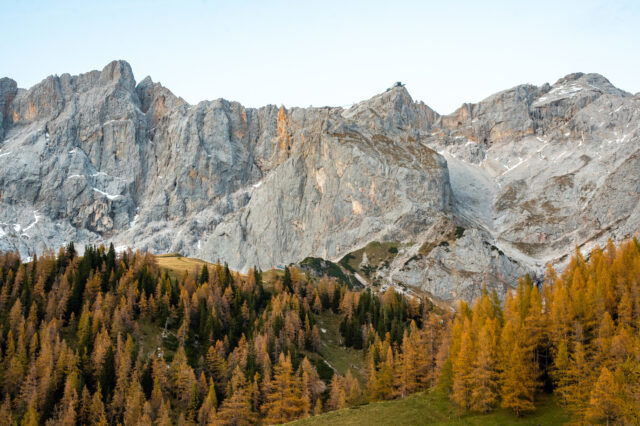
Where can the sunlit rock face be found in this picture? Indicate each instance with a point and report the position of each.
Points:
(510, 184)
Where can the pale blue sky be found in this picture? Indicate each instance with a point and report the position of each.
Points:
(302, 53)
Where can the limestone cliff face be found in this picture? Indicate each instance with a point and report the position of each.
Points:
(528, 174)
(8, 91)
(542, 171)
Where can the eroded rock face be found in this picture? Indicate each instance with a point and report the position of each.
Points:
(528, 173)
(8, 91)
(562, 171)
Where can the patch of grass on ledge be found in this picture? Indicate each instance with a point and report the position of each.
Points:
(179, 264)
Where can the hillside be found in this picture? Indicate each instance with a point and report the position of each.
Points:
(433, 408)
(113, 337)
(133, 338)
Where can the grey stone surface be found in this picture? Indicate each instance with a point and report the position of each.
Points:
(8, 91)
(529, 173)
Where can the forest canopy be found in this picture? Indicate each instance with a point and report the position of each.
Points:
(107, 338)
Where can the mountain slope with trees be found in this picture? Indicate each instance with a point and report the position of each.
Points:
(577, 336)
(113, 338)
(108, 338)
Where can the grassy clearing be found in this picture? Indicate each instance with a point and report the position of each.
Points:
(434, 408)
(149, 337)
(179, 264)
(272, 275)
(335, 356)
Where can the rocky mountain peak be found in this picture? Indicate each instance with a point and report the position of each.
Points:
(580, 85)
(393, 100)
(8, 91)
(593, 81)
(569, 77)
(157, 96)
(145, 82)
(119, 72)
(7, 85)
(392, 109)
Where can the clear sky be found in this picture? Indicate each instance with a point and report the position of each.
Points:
(302, 53)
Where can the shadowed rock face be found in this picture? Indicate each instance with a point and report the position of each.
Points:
(528, 173)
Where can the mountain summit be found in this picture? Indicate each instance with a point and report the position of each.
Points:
(481, 196)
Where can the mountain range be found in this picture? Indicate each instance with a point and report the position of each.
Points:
(387, 188)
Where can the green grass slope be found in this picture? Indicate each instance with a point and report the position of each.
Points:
(332, 354)
(433, 408)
